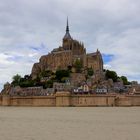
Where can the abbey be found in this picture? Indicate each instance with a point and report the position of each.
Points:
(66, 55)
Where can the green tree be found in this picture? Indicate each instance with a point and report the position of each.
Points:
(48, 84)
(124, 79)
(27, 77)
(78, 65)
(27, 83)
(90, 71)
(69, 68)
(16, 80)
(61, 73)
(111, 75)
(46, 73)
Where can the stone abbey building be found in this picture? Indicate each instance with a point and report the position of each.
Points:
(66, 55)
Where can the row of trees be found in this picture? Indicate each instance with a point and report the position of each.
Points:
(113, 75)
(27, 81)
(59, 76)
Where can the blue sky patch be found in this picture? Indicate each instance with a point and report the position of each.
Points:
(35, 48)
(38, 48)
(107, 58)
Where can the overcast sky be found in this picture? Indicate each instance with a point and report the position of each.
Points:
(31, 28)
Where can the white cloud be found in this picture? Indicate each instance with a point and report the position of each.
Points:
(125, 48)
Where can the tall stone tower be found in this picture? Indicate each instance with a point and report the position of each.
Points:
(76, 47)
(67, 38)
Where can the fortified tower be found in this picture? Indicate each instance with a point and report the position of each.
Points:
(77, 48)
(67, 40)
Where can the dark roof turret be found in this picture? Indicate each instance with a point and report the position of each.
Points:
(67, 35)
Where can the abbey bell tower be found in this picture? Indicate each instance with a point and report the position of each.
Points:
(67, 35)
(67, 44)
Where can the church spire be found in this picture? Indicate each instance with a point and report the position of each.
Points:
(67, 35)
(67, 27)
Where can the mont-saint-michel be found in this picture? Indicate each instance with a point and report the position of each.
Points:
(69, 76)
(69, 79)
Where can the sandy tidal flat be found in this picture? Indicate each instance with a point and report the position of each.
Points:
(95, 123)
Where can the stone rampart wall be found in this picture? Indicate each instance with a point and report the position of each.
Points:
(0, 100)
(134, 100)
(28, 101)
(93, 100)
(65, 99)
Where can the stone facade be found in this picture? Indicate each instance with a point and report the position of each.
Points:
(65, 55)
(66, 99)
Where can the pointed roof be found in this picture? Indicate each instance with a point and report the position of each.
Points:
(67, 35)
(98, 51)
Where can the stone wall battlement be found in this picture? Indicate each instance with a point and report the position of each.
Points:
(66, 99)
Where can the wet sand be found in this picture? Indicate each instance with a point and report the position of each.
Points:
(44, 123)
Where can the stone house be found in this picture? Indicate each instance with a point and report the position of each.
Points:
(101, 90)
